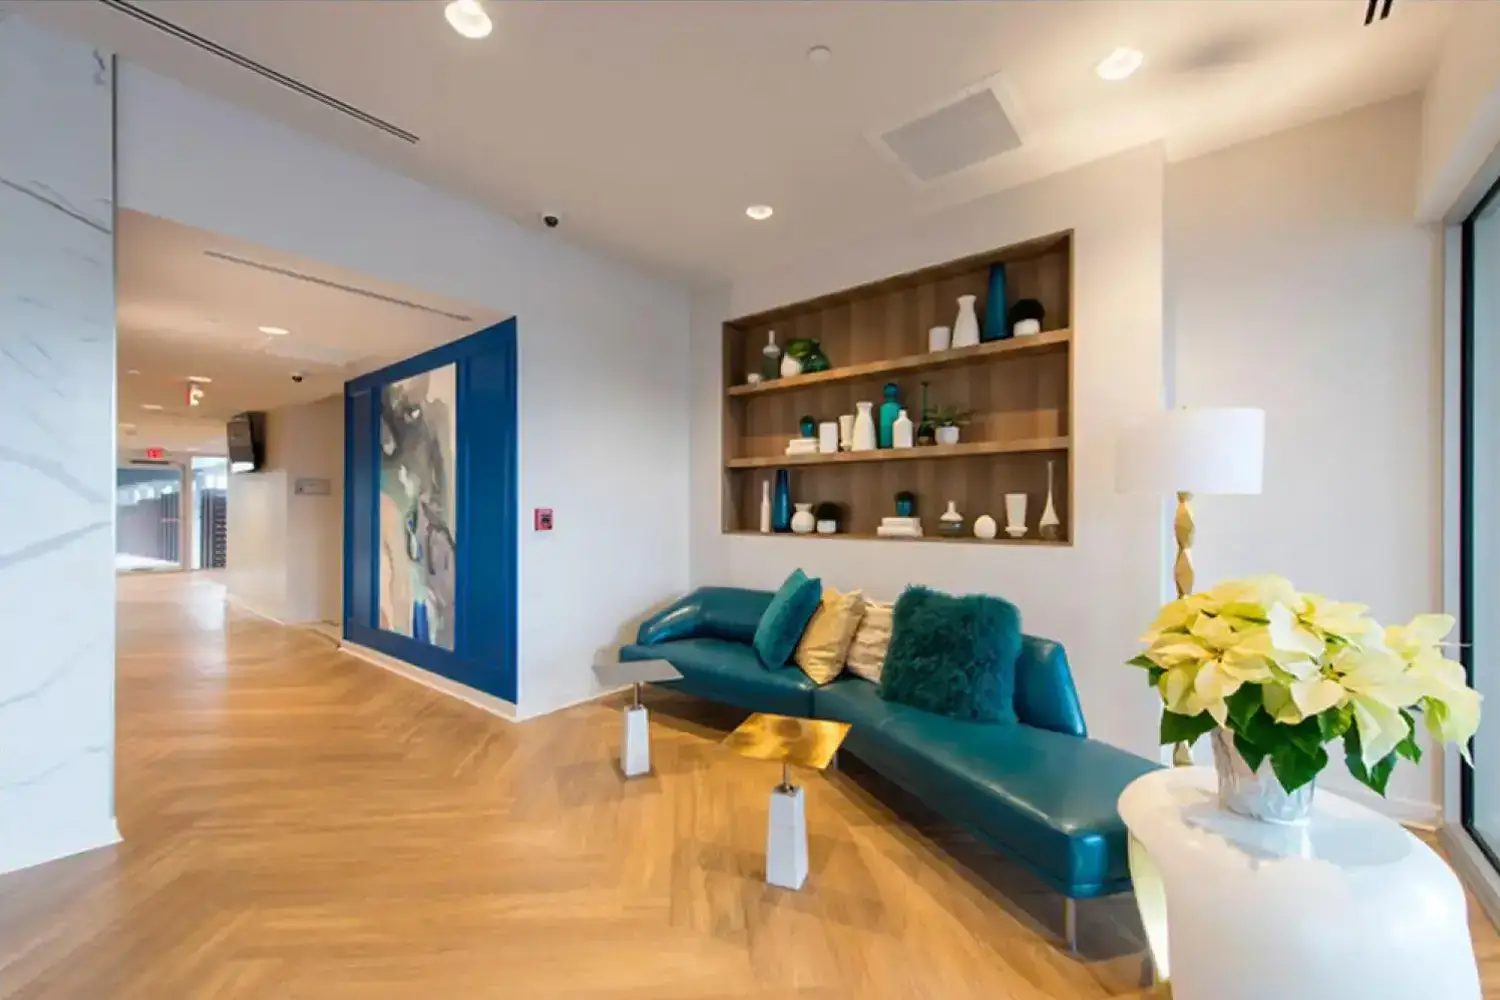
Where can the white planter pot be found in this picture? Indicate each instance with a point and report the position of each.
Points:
(947, 435)
(828, 527)
(939, 338)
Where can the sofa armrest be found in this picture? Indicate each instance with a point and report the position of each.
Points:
(1045, 695)
(730, 613)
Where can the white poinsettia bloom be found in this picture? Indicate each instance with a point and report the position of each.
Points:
(1174, 617)
(1423, 633)
(1252, 657)
(1342, 619)
(1211, 686)
(1377, 675)
(1316, 695)
(1381, 728)
(1278, 703)
(1289, 636)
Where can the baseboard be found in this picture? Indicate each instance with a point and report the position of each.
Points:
(54, 848)
(1408, 812)
(244, 605)
(1473, 868)
(437, 682)
(575, 702)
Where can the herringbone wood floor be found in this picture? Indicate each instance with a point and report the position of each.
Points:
(302, 825)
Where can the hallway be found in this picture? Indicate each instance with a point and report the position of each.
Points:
(299, 824)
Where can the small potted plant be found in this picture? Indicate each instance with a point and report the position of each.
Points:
(828, 515)
(1279, 677)
(946, 421)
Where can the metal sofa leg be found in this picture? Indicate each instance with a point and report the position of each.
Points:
(1070, 924)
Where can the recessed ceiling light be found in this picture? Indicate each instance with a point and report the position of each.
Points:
(275, 331)
(150, 406)
(819, 54)
(202, 379)
(132, 371)
(1120, 63)
(468, 18)
(759, 213)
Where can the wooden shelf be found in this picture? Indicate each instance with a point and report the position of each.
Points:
(964, 449)
(967, 539)
(1041, 343)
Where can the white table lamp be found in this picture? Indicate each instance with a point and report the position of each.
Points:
(1192, 451)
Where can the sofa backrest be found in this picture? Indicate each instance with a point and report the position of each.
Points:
(1045, 695)
(707, 613)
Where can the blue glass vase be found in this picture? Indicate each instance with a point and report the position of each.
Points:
(889, 411)
(995, 326)
(781, 502)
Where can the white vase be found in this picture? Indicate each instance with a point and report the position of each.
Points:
(1015, 514)
(803, 521)
(939, 338)
(947, 435)
(828, 527)
(901, 431)
(828, 437)
(864, 428)
(1028, 328)
(790, 366)
(846, 432)
(966, 326)
(984, 527)
(765, 507)
(1050, 525)
(951, 522)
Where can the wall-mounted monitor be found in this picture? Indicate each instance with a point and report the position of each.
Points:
(247, 441)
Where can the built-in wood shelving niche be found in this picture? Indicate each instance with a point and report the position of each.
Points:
(1020, 391)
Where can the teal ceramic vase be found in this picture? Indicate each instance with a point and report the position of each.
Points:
(889, 411)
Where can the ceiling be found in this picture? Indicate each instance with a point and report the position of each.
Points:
(649, 127)
(181, 312)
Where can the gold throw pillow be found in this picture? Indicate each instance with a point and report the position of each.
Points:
(871, 640)
(825, 643)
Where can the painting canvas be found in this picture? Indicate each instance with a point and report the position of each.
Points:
(418, 495)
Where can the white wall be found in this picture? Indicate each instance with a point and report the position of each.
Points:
(285, 553)
(1299, 282)
(602, 351)
(57, 448)
(1095, 596)
(1461, 115)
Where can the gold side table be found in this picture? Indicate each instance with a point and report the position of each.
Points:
(806, 743)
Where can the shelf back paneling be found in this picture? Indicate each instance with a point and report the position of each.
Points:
(867, 492)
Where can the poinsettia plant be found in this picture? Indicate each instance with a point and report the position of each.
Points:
(1289, 673)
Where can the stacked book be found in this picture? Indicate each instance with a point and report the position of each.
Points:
(899, 527)
(802, 446)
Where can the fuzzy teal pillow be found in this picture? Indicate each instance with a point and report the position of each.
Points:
(786, 618)
(954, 656)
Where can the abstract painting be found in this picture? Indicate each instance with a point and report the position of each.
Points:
(418, 491)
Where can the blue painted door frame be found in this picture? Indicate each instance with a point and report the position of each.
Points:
(484, 641)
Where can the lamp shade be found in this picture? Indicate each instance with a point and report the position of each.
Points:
(1205, 451)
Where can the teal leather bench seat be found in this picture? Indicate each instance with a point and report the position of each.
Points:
(1038, 791)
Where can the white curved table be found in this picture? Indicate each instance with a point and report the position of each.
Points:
(1350, 905)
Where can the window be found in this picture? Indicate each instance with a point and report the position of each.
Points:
(1479, 559)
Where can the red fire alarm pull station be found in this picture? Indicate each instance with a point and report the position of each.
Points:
(543, 519)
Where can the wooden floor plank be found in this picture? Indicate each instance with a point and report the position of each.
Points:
(300, 825)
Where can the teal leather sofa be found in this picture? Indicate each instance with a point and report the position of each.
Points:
(1041, 792)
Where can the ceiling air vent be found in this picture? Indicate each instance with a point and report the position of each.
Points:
(959, 134)
(259, 69)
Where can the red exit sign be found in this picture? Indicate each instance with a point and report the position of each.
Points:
(156, 453)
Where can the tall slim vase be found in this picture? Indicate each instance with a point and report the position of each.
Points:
(781, 506)
(996, 326)
(966, 326)
(864, 428)
(889, 411)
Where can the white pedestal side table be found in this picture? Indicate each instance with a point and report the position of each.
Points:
(635, 736)
(806, 743)
(1350, 906)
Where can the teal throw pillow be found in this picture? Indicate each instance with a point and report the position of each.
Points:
(786, 618)
(954, 656)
